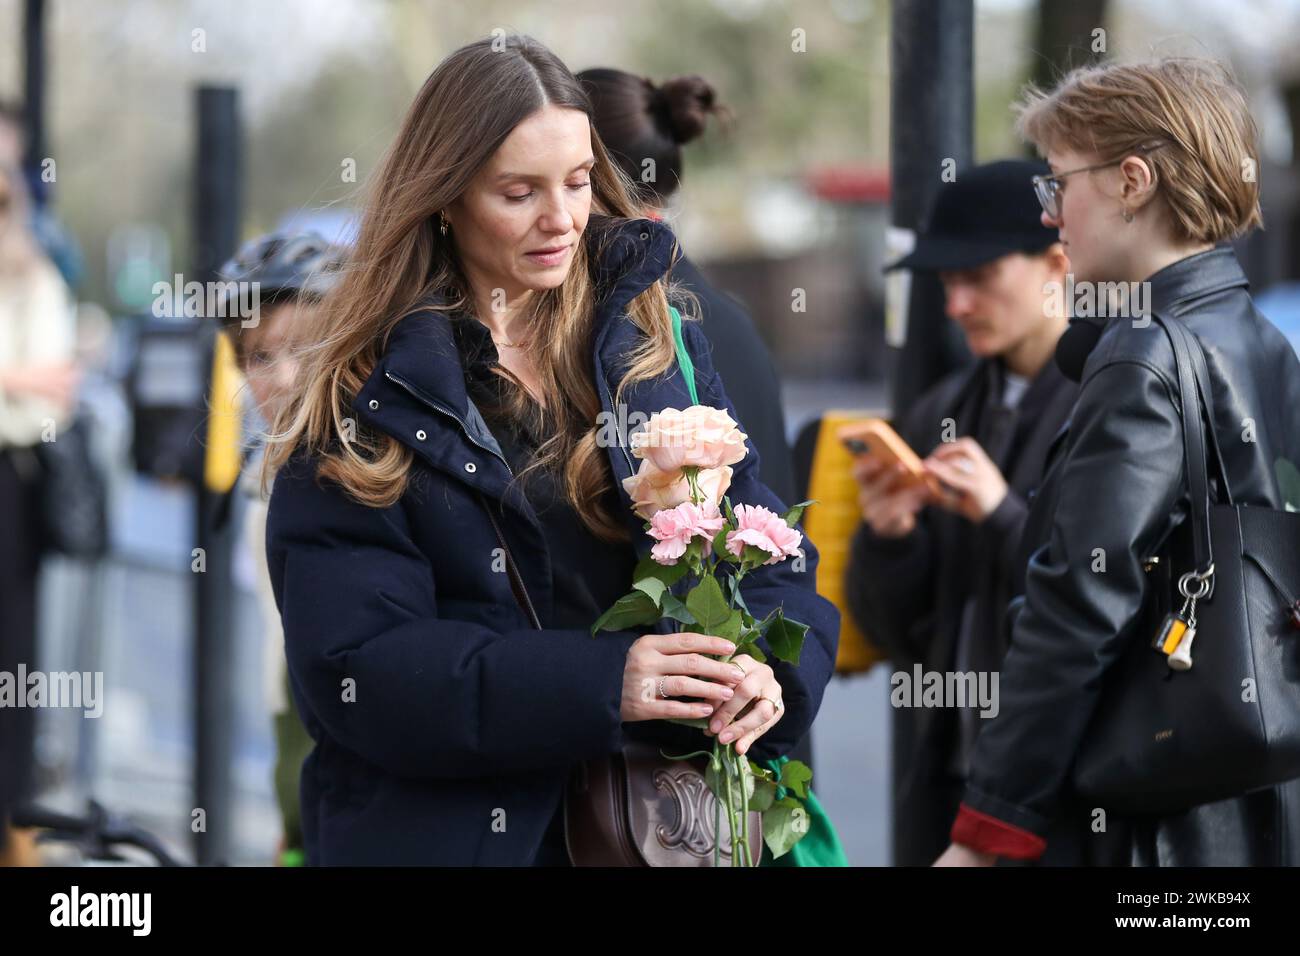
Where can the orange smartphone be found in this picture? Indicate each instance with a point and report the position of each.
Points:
(875, 437)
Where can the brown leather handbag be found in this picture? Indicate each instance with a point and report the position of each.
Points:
(637, 807)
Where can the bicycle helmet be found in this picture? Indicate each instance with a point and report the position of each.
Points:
(285, 264)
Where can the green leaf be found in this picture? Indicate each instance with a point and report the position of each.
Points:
(785, 823)
(764, 795)
(785, 637)
(652, 588)
(720, 546)
(672, 607)
(755, 556)
(753, 630)
(631, 610)
(795, 776)
(727, 510)
(752, 649)
(738, 599)
(795, 513)
(706, 603)
(648, 567)
(730, 628)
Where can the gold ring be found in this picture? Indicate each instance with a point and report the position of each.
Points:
(742, 670)
(775, 703)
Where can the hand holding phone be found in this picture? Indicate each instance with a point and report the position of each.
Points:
(875, 437)
(893, 483)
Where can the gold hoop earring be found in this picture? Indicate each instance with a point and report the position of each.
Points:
(1128, 216)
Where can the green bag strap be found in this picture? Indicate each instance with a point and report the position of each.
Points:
(683, 356)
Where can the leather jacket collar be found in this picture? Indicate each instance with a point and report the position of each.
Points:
(1186, 280)
(1173, 288)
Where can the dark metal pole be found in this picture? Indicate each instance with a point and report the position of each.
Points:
(217, 168)
(932, 107)
(933, 102)
(34, 96)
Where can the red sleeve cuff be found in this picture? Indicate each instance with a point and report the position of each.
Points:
(979, 831)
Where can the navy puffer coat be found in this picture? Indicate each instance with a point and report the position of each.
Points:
(445, 724)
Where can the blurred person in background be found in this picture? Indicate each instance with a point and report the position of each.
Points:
(644, 126)
(48, 231)
(294, 272)
(930, 574)
(38, 383)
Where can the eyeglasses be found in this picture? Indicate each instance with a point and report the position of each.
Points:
(1048, 188)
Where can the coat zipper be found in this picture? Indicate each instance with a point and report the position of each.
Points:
(631, 469)
(516, 579)
(416, 393)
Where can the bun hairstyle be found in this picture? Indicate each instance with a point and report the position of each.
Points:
(644, 126)
(686, 101)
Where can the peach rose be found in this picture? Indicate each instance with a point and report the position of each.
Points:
(700, 436)
(652, 490)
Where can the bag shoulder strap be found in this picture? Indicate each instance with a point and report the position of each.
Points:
(516, 578)
(683, 356)
(1199, 438)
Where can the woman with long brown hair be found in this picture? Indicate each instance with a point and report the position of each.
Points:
(448, 517)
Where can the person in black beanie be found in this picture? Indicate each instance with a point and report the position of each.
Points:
(931, 571)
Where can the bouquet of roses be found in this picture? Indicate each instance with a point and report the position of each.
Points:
(704, 547)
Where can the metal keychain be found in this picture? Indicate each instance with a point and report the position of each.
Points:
(1177, 631)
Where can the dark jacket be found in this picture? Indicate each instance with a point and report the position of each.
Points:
(1116, 482)
(446, 726)
(746, 366)
(911, 594)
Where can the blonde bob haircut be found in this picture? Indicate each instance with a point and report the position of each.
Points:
(1192, 109)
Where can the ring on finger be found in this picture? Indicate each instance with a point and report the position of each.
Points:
(662, 692)
(743, 672)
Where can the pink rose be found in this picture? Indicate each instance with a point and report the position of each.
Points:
(652, 490)
(673, 529)
(699, 437)
(764, 529)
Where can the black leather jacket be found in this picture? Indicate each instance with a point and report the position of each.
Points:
(1115, 482)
